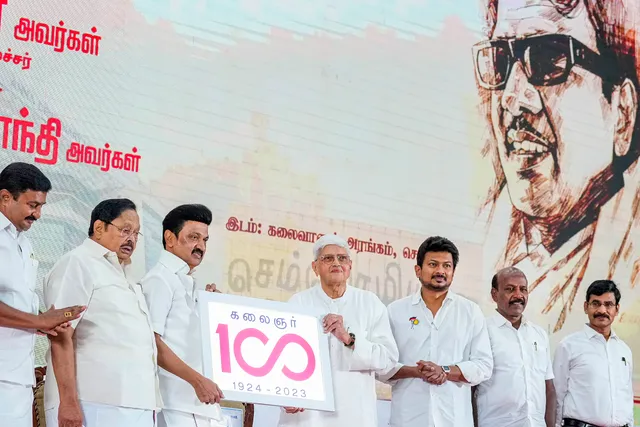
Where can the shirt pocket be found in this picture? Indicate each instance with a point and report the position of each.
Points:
(540, 359)
(624, 370)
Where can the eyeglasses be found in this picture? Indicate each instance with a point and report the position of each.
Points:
(597, 304)
(127, 232)
(547, 60)
(330, 259)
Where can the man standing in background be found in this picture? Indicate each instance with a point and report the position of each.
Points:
(443, 342)
(520, 392)
(190, 399)
(23, 192)
(593, 367)
(102, 371)
(361, 344)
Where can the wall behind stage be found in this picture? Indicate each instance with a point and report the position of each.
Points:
(377, 120)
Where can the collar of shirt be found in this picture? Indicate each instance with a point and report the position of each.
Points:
(5, 224)
(96, 250)
(417, 297)
(180, 268)
(590, 332)
(499, 320)
(173, 263)
(328, 300)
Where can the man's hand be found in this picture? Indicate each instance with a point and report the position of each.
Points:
(69, 414)
(432, 373)
(207, 391)
(54, 317)
(333, 323)
(55, 331)
(211, 287)
(292, 410)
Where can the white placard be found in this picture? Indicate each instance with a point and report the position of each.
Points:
(266, 352)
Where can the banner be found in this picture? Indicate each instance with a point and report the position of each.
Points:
(260, 351)
(385, 121)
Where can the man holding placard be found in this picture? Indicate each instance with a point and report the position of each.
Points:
(190, 399)
(361, 342)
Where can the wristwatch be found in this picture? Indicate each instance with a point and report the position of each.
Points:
(446, 370)
(353, 340)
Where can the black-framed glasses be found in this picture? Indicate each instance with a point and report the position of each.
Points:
(126, 232)
(547, 59)
(330, 259)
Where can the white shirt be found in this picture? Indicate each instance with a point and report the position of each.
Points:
(456, 336)
(353, 369)
(515, 395)
(169, 291)
(114, 344)
(594, 379)
(18, 270)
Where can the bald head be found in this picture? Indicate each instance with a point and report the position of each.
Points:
(506, 273)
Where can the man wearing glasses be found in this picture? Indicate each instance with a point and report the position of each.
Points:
(361, 342)
(102, 371)
(558, 79)
(593, 367)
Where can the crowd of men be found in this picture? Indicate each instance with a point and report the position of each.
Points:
(128, 354)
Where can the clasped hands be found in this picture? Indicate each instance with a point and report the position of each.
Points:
(430, 372)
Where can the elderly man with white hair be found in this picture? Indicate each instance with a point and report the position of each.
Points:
(361, 341)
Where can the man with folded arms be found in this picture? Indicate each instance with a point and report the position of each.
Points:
(593, 367)
(23, 192)
(190, 399)
(102, 371)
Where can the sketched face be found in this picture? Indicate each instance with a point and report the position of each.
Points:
(553, 127)
(333, 264)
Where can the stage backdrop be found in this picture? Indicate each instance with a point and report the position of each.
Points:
(510, 127)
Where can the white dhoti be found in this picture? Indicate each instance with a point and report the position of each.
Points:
(16, 405)
(169, 418)
(98, 415)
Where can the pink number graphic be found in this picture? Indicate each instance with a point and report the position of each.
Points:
(225, 353)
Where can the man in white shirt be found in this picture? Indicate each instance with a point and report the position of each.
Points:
(190, 399)
(520, 392)
(593, 367)
(102, 372)
(23, 192)
(361, 343)
(443, 342)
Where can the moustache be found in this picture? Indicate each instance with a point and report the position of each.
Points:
(439, 276)
(516, 301)
(127, 244)
(31, 218)
(197, 251)
(606, 316)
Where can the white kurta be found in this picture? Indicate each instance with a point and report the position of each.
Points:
(353, 369)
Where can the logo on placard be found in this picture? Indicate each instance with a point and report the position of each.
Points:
(261, 371)
(3, 3)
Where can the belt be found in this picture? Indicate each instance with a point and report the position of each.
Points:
(570, 422)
